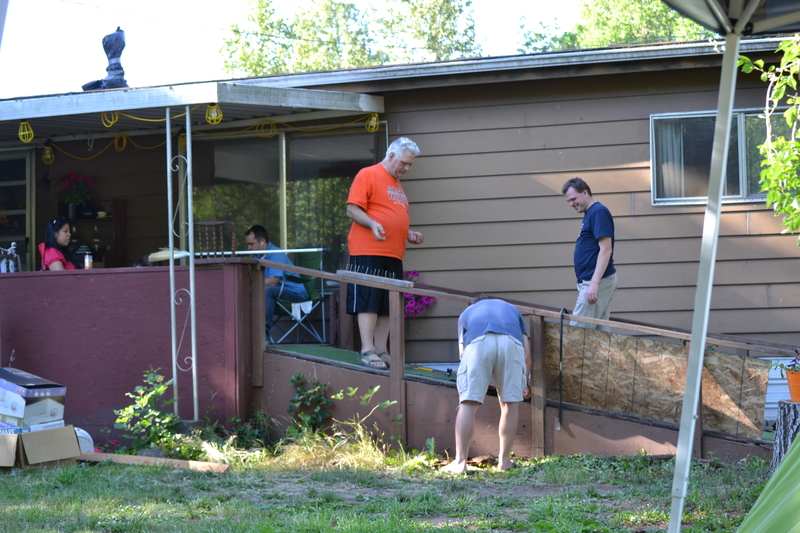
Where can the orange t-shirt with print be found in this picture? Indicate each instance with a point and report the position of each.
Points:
(382, 198)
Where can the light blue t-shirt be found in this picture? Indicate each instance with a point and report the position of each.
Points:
(276, 273)
(490, 316)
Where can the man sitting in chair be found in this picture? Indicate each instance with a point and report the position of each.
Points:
(276, 286)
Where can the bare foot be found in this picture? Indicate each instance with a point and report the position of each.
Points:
(506, 464)
(455, 467)
(386, 358)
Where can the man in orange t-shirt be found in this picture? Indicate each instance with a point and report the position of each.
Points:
(377, 243)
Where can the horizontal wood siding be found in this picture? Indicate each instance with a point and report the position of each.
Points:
(486, 193)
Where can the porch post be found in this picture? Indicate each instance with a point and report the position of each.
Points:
(397, 370)
(171, 244)
(282, 172)
(538, 385)
(190, 223)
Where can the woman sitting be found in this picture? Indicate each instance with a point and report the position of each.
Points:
(57, 236)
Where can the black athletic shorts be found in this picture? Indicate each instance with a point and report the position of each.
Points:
(362, 299)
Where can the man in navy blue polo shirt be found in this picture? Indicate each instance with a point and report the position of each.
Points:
(594, 254)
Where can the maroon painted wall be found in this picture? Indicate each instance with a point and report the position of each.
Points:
(97, 331)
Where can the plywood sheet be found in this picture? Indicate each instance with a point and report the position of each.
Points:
(622, 366)
(646, 378)
(659, 380)
(753, 397)
(595, 370)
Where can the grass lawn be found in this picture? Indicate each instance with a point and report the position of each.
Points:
(345, 479)
(318, 486)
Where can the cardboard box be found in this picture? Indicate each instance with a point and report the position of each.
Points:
(28, 400)
(46, 448)
(27, 429)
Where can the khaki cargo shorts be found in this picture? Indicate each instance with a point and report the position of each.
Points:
(501, 357)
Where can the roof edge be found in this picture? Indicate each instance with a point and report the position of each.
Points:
(484, 65)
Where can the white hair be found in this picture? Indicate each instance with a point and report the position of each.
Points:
(402, 144)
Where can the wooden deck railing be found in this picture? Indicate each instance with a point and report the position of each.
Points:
(537, 316)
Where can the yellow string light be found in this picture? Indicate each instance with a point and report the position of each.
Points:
(57, 147)
(266, 123)
(158, 119)
(213, 114)
(109, 121)
(265, 128)
(372, 123)
(120, 142)
(48, 157)
(25, 132)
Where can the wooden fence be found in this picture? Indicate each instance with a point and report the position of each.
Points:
(637, 370)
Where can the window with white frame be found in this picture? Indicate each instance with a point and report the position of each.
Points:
(681, 146)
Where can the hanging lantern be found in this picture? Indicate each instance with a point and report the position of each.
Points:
(213, 114)
(25, 132)
(48, 157)
(372, 123)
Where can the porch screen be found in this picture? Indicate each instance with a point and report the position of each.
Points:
(238, 180)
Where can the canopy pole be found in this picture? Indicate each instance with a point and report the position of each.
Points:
(705, 279)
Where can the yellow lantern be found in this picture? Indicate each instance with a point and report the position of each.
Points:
(372, 123)
(213, 114)
(25, 132)
(48, 157)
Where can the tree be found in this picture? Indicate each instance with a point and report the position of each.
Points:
(780, 174)
(607, 22)
(262, 46)
(336, 34)
(430, 30)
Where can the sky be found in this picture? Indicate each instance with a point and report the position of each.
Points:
(55, 46)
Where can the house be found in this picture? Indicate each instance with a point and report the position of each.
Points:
(499, 136)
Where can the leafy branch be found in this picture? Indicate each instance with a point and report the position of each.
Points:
(780, 174)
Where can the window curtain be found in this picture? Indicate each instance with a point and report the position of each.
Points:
(669, 158)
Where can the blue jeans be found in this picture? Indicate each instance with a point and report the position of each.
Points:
(283, 293)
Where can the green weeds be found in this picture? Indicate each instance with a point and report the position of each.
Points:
(348, 479)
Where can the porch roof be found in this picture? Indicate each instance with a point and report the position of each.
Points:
(65, 116)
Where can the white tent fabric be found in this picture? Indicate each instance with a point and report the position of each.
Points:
(768, 16)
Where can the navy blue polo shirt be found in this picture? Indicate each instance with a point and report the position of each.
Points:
(597, 223)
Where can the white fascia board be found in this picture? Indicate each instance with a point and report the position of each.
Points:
(234, 93)
(182, 95)
(106, 101)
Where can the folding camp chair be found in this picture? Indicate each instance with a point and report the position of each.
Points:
(300, 313)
